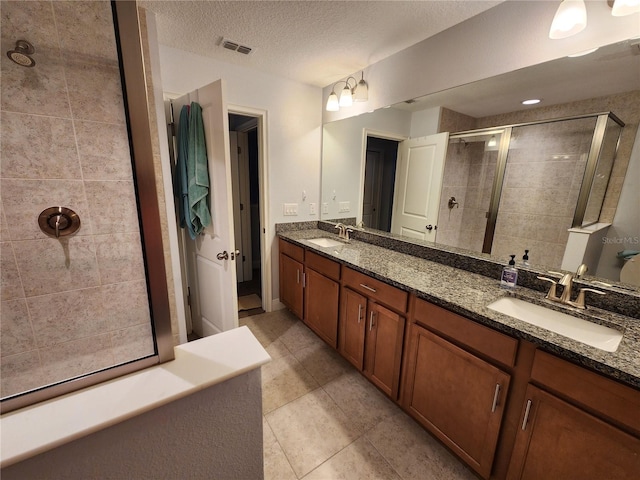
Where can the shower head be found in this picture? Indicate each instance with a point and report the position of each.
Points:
(20, 54)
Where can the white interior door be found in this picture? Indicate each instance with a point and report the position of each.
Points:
(211, 265)
(418, 185)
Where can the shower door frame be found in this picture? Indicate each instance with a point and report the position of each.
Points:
(503, 152)
(134, 89)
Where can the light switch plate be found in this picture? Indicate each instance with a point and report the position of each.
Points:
(325, 208)
(290, 209)
(312, 209)
(344, 207)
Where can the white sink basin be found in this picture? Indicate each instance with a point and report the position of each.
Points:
(325, 242)
(593, 334)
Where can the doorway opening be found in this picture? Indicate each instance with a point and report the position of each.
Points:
(379, 181)
(244, 147)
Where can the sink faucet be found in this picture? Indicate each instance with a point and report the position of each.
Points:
(343, 231)
(567, 282)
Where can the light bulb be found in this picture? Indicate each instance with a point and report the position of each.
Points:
(571, 18)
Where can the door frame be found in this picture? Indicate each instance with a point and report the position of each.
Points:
(368, 132)
(263, 180)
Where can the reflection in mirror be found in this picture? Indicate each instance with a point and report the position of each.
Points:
(552, 187)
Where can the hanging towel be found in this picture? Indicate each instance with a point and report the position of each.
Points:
(181, 188)
(198, 171)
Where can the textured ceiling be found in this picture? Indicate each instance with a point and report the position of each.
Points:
(313, 42)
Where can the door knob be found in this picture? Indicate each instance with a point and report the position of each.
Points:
(223, 256)
(429, 227)
(235, 254)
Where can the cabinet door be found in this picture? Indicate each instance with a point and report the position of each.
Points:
(558, 440)
(352, 326)
(291, 284)
(385, 333)
(457, 396)
(321, 306)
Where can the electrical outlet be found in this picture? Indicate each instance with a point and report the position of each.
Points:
(344, 207)
(325, 208)
(290, 209)
(312, 209)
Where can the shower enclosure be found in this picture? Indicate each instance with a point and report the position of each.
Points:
(78, 306)
(524, 186)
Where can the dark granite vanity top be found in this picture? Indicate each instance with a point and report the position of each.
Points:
(468, 294)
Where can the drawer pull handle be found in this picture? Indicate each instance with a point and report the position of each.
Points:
(496, 395)
(359, 312)
(526, 415)
(371, 321)
(368, 287)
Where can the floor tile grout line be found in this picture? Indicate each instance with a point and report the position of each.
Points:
(281, 448)
(383, 456)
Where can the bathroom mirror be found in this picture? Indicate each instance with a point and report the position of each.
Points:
(604, 77)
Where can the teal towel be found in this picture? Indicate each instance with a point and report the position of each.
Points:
(181, 175)
(198, 171)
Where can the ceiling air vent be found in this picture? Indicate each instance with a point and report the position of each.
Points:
(229, 45)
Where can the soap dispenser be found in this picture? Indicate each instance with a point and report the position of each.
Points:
(509, 274)
(525, 258)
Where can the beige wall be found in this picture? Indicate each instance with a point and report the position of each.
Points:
(77, 305)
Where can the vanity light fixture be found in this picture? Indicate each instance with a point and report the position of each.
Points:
(622, 8)
(570, 18)
(531, 101)
(352, 92)
(492, 141)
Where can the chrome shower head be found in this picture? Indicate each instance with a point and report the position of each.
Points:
(20, 54)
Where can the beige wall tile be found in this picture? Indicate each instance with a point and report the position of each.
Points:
(77, 357)
(17, 334)
(112, 206)
(132, 343)
(126, 304)
(58, 318)
(51, 265)
(119, 257)
(4, 233)
(104, 151)
(86, 31)
(24, 200)
(20, 373)
(95, 92)
(10, 281)
(38, 147)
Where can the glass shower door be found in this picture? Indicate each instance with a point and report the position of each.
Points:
(544, 174)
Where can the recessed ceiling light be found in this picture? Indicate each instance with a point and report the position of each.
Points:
(531, 101)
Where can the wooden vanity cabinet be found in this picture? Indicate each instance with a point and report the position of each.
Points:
(559, 440)
(292, 277)
(454, 393)
(372, 334)
(322, 292)
(576, 424)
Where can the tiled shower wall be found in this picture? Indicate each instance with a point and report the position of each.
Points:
(545, 167)
(76, 305)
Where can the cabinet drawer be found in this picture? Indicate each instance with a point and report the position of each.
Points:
(323, 265)
(496, 345)
(291, 250)
(375, 289)
(588, 389)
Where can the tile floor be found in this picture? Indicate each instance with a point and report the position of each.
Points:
(324, 420)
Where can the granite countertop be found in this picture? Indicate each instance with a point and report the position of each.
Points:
(468, 294)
